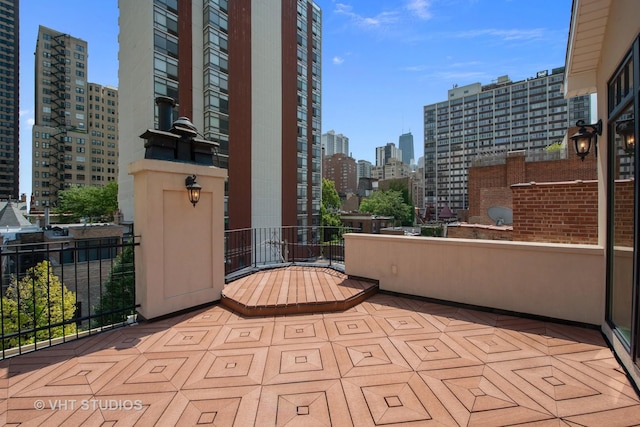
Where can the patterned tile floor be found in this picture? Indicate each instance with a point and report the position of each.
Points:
(387, 361)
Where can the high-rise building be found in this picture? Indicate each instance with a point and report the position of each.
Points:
(364, 169)
(333, 143)
(342, 170)
(395, 168)
(405, 143)
(478, 121)
(75, 135)
(386, 153)
(9, 97)
(247, 74)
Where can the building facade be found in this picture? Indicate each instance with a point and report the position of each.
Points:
(395, 168)
(333, 143)
(364, 169)
(248, 75)
(386, 153)
(9, 99)
(75, 135)
(405, 143)
(477, 121)
(342, 170)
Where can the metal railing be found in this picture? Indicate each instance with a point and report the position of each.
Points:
(54, 292)
(250, 248)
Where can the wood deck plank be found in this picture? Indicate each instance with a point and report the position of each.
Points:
(293, 292)
(317, 287)
(308, 287)
(301, 295)
(284, 290)
(275, 289)
(257, 291)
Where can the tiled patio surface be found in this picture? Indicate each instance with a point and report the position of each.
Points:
(386, 361)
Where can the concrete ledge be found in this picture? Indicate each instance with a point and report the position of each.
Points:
(542, 279)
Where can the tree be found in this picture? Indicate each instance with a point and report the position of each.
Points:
(330, 205)
(388, 203)
(399, 185)
(38, 300)
(119, 291)
(89, 202)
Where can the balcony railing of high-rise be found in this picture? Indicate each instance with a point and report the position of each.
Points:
(251, 248)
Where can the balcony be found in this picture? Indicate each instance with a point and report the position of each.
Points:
(458, 333)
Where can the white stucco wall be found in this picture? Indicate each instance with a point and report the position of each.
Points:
(551, 280)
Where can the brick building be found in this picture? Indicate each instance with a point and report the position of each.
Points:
(491, 179)
(342, 170)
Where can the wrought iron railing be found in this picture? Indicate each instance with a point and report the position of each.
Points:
(250, 248)
(53, 292)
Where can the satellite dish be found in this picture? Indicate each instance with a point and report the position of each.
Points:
(501, 215)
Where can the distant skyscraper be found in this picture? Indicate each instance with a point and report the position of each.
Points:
(405, 143)
(75, 135)
(386, 153)
(9, 99)
(478, 120)
(364, 169)
(335, 143)
(247, 73)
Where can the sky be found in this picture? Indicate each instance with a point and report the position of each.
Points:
(382, 60)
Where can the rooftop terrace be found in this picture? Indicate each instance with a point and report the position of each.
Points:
(385, 361)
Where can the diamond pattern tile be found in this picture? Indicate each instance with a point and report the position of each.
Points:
(386, 361)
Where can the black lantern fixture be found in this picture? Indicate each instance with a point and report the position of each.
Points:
(625, 129)
(585, 138)
(193, 189)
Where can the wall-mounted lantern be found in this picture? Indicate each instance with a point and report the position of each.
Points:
(193, 189)
(625, 129)
(585, 138)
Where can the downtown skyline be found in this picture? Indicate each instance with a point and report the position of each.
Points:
(382, 61)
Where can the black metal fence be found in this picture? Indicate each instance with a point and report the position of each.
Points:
(256, 247)
(55, 292)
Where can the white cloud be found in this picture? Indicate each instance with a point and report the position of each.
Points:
(420, 8)
(381, 19)
(338, 60)
(507, 35)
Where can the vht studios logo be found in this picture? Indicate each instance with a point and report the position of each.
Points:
(88, 405)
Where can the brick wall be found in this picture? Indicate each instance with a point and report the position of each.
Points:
(477, 231)
(490, 185)
(560, 212)
(486, 177)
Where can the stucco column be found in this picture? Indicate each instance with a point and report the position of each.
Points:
(180, 260)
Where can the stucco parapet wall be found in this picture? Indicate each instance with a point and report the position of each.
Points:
(152, 165)
(533, 183)
(529, 246)
(554, 280)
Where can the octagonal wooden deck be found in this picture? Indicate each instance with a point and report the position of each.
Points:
(295, 290)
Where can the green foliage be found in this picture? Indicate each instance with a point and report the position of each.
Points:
(431, 231)
(330, 204)
(119, 290)
(388, 203)
(400, 186)
(553, 147)
(89, 202)
(37, 300)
